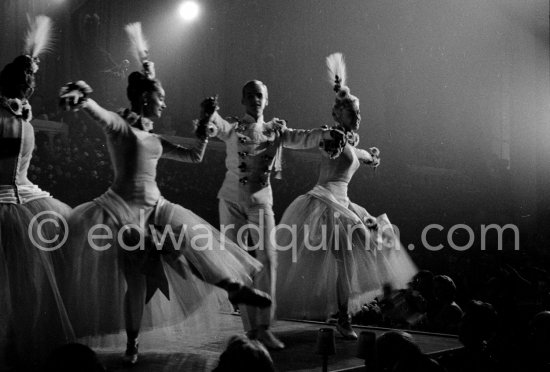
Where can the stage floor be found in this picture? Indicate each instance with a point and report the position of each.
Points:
(179, 352)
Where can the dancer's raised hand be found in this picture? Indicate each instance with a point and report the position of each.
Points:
(203, 127)
(375, 153)
(73, 95)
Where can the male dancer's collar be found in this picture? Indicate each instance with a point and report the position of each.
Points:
(248, 119)
(21, 108)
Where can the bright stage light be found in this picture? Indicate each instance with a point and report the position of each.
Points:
(189, 10)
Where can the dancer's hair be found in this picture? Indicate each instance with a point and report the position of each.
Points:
(144, 81)
(17, 79)
(138, 84)
(337, 77)
(253, 83)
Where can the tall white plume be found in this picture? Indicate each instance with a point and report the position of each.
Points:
(39, 36)
(337, 66)
(139, 46)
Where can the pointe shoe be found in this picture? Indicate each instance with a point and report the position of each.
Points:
(266, 337)
(131, 355)
(344, 327)
(249, 296)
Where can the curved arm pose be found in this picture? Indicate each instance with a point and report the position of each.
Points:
(130, 241)
(343, 256)
(254, 149)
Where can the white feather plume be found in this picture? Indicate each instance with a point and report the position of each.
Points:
(337, 67)
(139, 46)
(38, 38)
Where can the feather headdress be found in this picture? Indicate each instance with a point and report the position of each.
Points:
(338, 77)
(38, 38)
(337, 70)
(140, 48)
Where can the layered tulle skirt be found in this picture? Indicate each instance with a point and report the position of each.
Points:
(332, 250)
(111, 240)
(33, 320)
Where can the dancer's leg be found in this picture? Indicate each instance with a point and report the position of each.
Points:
(237, 291)
(204, 263)
(262, 217)
(233, 219)
(134, 302)
(342, 290)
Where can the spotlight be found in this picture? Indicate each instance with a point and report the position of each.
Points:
(189, 10)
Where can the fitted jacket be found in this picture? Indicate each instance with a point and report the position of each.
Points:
(253, 153)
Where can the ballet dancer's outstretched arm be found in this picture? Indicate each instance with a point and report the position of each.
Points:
(184, 154)
(74, 97)
(203, 129)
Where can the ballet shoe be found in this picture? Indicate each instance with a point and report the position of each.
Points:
(266, 337)
(344, 327)
(131, 355)
(243, 294)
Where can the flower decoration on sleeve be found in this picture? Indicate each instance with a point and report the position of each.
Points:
(340, 138)
(371, 223)
(131, 117)
(352, 138)
(18, 107)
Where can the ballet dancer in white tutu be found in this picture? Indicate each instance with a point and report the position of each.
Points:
(340, 256)
(113, 282)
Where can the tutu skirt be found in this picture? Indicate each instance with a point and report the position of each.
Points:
(193, 257)
(33, 320)
(322, 240)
